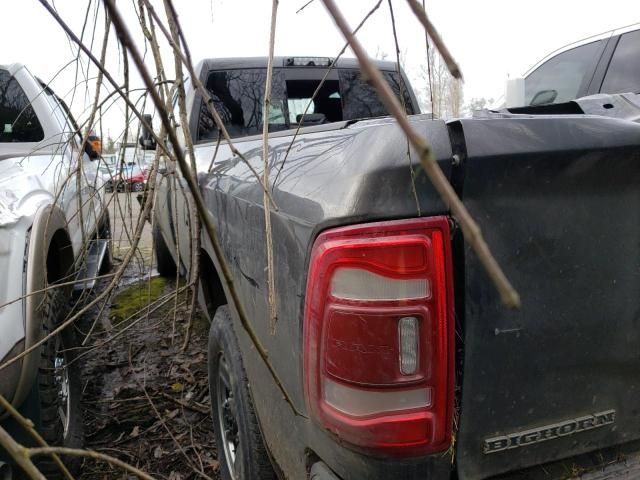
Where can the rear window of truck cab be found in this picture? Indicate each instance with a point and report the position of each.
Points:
(18, 120)
(297, 96)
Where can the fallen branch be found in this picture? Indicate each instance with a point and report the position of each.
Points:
(190, 406)
(74, 452)
(20, 455)
(28, 425)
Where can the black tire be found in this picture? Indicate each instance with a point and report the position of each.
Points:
(138, 187)
(54, 406)
(164, 261)
(237, 430)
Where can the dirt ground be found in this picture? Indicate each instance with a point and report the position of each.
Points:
(145, 397)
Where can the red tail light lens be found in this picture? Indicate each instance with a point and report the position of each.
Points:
(379, 333)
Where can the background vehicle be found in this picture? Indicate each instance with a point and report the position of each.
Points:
(396, 354)
(606, 63)
(129, 178)
(134, 155)
(43, 242)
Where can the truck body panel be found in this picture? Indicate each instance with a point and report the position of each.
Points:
(554, 198)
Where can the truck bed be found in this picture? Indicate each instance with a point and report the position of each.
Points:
(556, 198)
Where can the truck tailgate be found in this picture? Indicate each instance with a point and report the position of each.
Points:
(558, 200)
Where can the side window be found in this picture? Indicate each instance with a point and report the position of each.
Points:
(18, 120)
(623, 74)
(237, 96)
(560, 78)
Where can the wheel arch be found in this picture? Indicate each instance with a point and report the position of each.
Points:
(211, 292)
(49, 244)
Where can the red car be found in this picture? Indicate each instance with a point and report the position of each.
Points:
(132, 179)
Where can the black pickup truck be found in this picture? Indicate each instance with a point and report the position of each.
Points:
(392, 346)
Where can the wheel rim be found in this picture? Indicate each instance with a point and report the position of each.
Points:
(227, 416)
(62, 386)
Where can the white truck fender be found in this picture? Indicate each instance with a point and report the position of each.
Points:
(49, 231)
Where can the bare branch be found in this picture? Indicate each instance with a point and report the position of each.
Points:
(271, 286)
(437, 40)
(19, 454)
(74, 452)
(208, 101)
(470, 229)
(317, 90)
(205, 216)
(28, 425)
(304, 6)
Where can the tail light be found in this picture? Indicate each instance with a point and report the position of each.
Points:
(378, 336)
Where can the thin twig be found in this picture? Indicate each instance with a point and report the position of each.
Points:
(194, 220)
(426, 41)
(28, 425)
(208, 101)
(437, 40)
(304, 6)
(470, 229)
(125, 38)
(402, 89)
(271, 286)
(182, 403)
(319, 87)
(167, 429)
(141, 219)
(74, 452)
(19, 454)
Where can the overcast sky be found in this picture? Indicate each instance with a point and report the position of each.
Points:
(490, 39)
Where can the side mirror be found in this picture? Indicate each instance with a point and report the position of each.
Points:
(90, 150)
(514, 92)
(146, 140)
(544, 97)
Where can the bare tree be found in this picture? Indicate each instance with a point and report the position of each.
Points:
(445, 90)
(477, 104)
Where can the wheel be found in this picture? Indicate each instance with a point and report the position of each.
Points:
(59, 387)
(241, 449)
(164, 261)
(138, 187)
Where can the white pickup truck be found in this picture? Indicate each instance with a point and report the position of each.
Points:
(54, 229)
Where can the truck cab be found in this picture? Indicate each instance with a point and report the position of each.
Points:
(608, 63)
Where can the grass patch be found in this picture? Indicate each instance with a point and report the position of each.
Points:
(136, 298)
